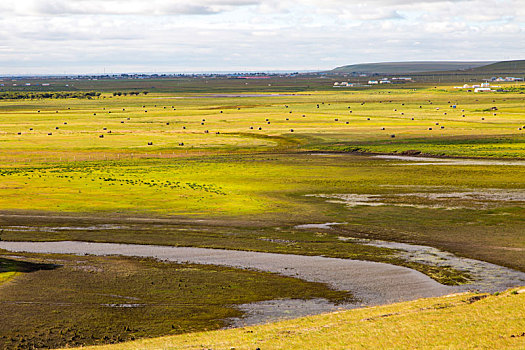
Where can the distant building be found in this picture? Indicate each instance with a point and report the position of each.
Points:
(402, 80)
(506, 79)
(344, 84)
(482, 89)
(373, 82)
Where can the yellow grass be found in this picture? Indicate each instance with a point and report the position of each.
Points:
(6, 276)
(451, 322)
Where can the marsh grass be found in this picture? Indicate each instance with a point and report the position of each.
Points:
(466, 321)
(101, 300)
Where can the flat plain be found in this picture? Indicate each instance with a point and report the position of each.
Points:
(245, 171)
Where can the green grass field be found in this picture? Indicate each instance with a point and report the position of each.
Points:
(343, 121)
(197, 169)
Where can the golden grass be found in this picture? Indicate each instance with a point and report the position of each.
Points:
(465, 321)
(6, 276)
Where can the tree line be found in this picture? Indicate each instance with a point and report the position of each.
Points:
(15, 95)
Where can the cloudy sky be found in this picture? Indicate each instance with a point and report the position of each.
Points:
(93, 36)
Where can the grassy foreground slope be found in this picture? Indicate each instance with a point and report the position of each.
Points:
(452, 322)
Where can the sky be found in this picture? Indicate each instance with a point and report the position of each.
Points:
(122, 36)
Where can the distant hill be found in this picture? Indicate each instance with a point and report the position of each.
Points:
(411, 67)
(501, 67)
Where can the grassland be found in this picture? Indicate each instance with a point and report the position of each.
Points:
(196, 169)
(467, 321)
(343, 120)
(264, 196)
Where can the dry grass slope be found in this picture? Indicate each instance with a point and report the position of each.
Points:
(466, 321)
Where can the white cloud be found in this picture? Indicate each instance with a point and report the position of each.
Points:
(170, 35)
